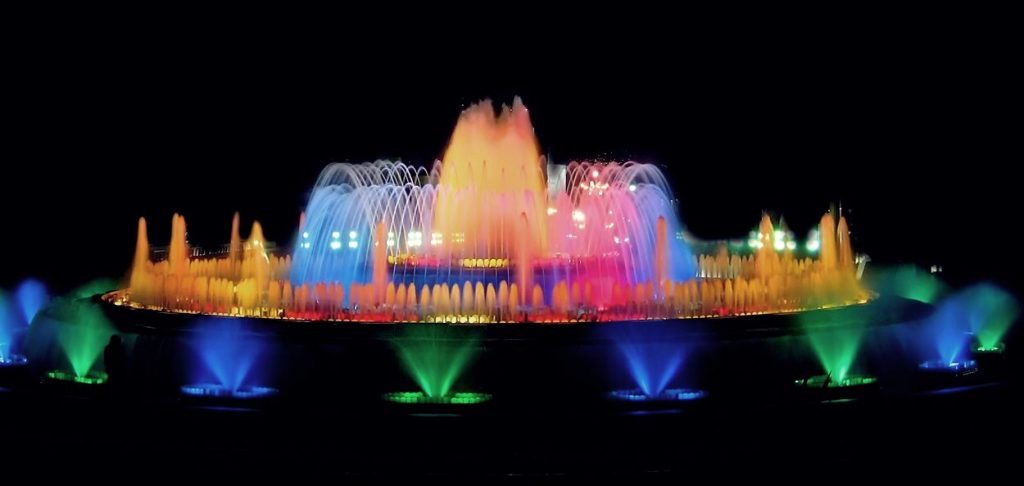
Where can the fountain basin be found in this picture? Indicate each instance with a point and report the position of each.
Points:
(956, 368)
(420, 398)
(936, 374)
(91, 378)
(999, 348)
(849, 388)
(13, 360)
(667, 396)
(990, 359)
(209, 390)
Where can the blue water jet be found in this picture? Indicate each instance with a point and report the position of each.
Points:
(652, 360)
(228, 355)
(31, 296)
(978, 313)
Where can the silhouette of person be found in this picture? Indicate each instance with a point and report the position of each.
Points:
(115, 361)
(828, 380)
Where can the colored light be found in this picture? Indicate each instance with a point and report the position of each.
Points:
(996, 349)
(488, 197)
(813, 245)
(210, 390)
(418, 398)
(435, 357)
(92, 378)
(820, 381)
(669, 395)
(836, 349)
(790, 245)
(959, 368)
(12, 360)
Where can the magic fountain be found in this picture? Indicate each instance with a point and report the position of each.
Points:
(494, 233)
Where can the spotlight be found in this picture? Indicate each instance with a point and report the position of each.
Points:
(824, 388)
(207, 390)
(668, 396)
(90, 378)
(942, 374)
(419, 398)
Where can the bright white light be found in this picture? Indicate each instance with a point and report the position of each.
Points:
(353, 244)
(305, 234)
(552, 211)
(752, 243)
(336, 234)
(595, 174)
(306, 245)
(578, 216)
(352, 235)
(791, 245)
(414, 239)
(632, 188)
(780, 245)
(335, 245)
(616, 240)
(813, 245)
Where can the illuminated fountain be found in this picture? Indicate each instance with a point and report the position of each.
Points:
(16, 314)
(836, 345)
(81, 331)
(227, 363)
(967, 328)
(653, 361)
(435, 358)
(494, 233)
(992, 312)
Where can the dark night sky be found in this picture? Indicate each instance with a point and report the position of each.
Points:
(912, 138)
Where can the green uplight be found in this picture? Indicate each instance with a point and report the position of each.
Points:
(996, 349)
(92, 378)
(835, 346)
(908, 282)
(992, 311)
(419, 398)
(436, 356)
(83, 333)
(845, 382)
